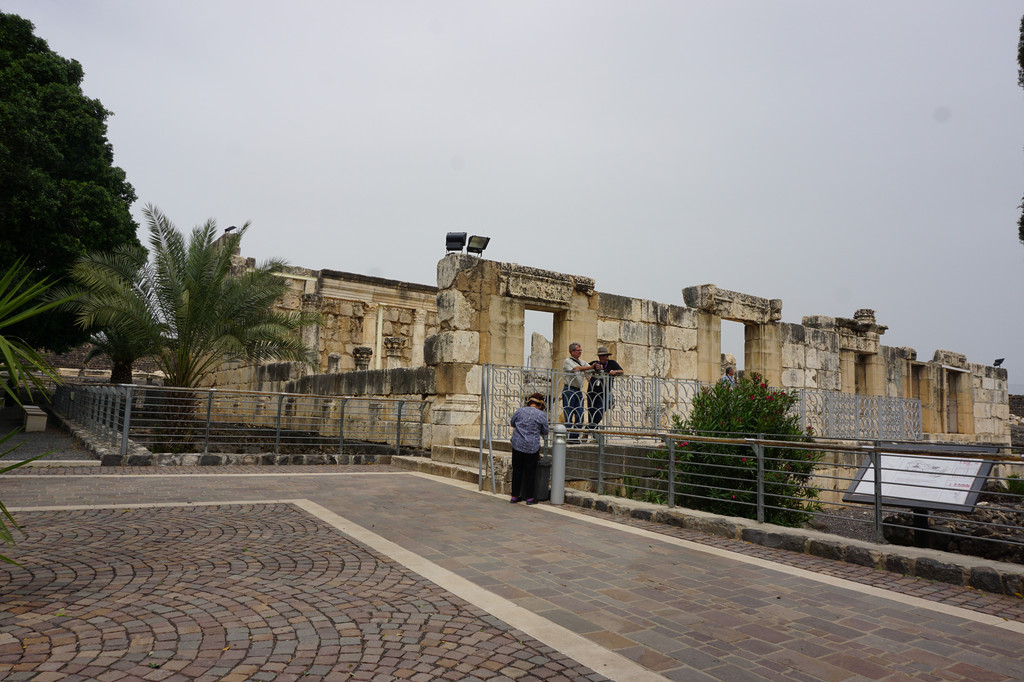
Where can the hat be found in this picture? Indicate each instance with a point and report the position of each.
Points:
(603, 350)
(536, 398)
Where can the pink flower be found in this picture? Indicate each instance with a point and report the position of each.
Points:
(764, 385)
(743, 459)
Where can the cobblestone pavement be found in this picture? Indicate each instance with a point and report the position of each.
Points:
(341, 573)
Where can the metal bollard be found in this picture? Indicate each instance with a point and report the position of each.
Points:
(558, 465)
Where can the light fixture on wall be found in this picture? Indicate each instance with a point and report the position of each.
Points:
(455, 241)
(477, 244)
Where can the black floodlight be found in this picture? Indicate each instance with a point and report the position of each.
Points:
(477, 244)
(455, 241)
(998, 362)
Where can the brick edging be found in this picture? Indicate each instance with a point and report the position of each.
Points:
(954, 569)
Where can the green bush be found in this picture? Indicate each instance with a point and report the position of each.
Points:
(722, 477)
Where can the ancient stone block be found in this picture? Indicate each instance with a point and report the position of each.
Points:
(618, 307)
(454, 311)
(635, 332)
(451, 265)
(452, 346)
(608, 330)
(536, 285)
(733, 305)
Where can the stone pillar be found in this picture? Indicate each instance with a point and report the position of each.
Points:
(709, 347)
(311, 303)
(393, 348)
(362, 355)
(848, 371)
(333, 363)
(762, 352)
(378, 339)
(419, 334)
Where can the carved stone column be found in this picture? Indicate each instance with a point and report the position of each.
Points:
(312, 303)
(362, 355)
(333, 363)
(419, 333)
(393, 349)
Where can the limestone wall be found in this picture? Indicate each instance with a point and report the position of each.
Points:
(475, 316)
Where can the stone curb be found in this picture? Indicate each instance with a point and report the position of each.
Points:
(954, 569)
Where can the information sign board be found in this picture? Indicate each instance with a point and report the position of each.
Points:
(922, 482)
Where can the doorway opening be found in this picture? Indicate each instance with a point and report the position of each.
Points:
(538, 332)
(733, 345)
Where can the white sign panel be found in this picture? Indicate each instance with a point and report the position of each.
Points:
(938, 481)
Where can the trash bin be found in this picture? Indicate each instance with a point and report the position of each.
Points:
(542, 481)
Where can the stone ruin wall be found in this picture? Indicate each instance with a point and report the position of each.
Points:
(368, 323)
(476, 315)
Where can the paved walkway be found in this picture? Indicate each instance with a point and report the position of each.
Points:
(368, 573)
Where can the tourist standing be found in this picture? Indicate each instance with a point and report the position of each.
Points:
(729, 377)
(599, 389)
(572, 392)
(529, 425)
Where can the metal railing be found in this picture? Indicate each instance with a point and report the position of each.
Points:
(903, 494)
(180, 420)
(648, 403)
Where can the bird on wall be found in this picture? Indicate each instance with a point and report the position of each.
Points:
(998, 362)
(228, 229)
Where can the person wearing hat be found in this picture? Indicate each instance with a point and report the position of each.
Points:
(529, 425)
(599, 389)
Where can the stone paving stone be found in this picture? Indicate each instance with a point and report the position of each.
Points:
(233, 583)
(678, 610)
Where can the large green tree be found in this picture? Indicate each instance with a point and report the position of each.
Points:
(60, 194)
(1020, 82)
(184, 304)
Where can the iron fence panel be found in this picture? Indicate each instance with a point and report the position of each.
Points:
(165, 419)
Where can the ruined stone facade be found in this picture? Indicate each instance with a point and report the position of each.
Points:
(476, 316)
(367, 323)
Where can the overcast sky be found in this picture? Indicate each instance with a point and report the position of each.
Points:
(836, 155)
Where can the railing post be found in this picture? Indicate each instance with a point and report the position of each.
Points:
(558, 465)
(671, 497)
(209, 412)
(398, 429)
(127, 420)
(876, 463)
(341, 428)
(600, 462)
(759, 455)
(277, 435)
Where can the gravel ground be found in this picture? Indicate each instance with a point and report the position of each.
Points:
(55, 440)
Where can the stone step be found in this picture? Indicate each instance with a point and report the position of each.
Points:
(458, 472)
(463, 456)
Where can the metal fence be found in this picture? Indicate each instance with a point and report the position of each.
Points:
(648, 403)
(210, 420)
(938, 497)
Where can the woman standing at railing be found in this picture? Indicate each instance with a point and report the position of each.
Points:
(529, 425)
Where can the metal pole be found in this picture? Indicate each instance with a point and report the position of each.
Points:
(398, 435)
(341, 428)
(127, 420)
(876, 463)
(558, 465)
(671, 441)
(759, 454)
(600, 462)
(277, 436)
(209, 412)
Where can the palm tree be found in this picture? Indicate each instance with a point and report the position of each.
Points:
(185, 306)
(24, 368)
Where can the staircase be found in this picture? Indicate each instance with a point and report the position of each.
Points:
(462, 463)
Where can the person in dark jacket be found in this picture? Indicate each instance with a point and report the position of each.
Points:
(529, 425)
(599, 389)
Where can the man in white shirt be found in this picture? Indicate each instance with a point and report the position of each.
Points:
(572, 391)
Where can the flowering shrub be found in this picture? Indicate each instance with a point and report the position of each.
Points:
(722, 478)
